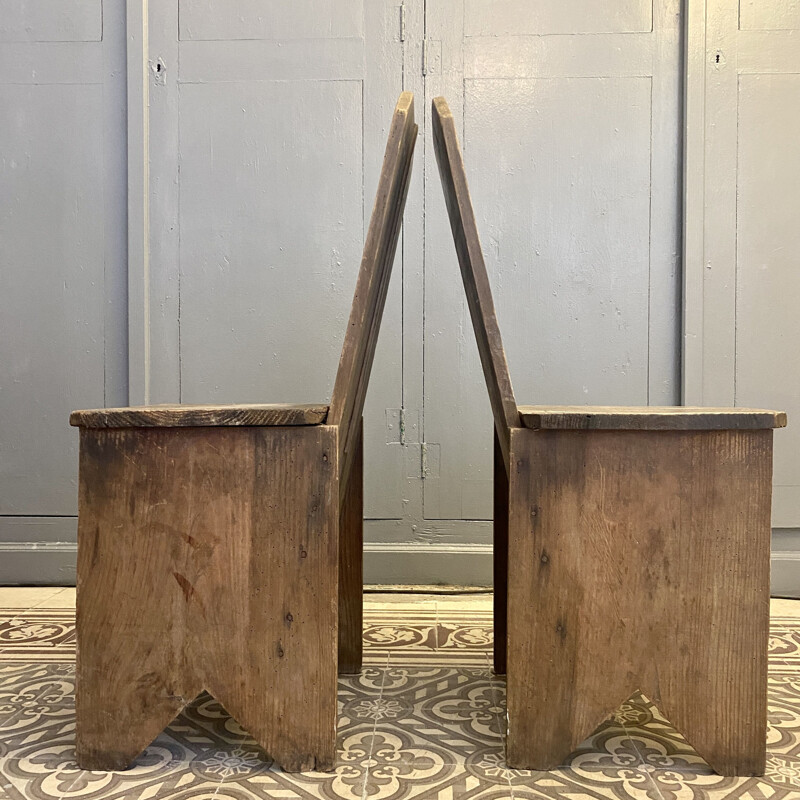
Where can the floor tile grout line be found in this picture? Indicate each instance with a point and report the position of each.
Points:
(66, 791)
(23, 609)
(494, 683)
(41, 603)
(78, 774)
(642, 767)
(375, 728)
(436, 625)
(218, 787)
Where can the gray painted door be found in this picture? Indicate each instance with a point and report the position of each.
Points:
(742, 238)
(570, 117)
(265, 136)
(214, 259)
(62, 260)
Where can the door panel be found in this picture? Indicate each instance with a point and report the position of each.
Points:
(571, 148)
(271, 228)
(51, 20)
(262, 174)
(226, 20)
(570, 239)
(543, 17)
(769, 15)
(743, 123)
(767, 243)
(51, 304)
(62, 260)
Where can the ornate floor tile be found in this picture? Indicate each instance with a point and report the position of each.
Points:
(408, 636)
(40, 757)
(784, 646)
(470, 635)
(448, 712)
(356, 696)
(424, 719)
(158, 773)
(624, 783)
(426, 638)
(783, 734)
(38, 634)
(259, 778)
(426, 778)
(679, 772)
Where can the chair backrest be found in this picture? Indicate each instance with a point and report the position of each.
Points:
(350, 389)
(473, 272)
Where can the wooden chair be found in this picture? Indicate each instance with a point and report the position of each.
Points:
(212, 543)
(631, 550)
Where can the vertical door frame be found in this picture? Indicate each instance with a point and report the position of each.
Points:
(138, 203)
(716, 53)
(693, 201)
(708, 369)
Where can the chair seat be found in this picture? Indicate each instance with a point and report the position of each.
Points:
(649, 418)
(184, 416)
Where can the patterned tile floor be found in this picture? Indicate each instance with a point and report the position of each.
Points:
(425, 719)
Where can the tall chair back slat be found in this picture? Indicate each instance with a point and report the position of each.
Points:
(352, 378)
(473, 273)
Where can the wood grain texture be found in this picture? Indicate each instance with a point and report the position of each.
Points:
(639, 561)
(372, 284)
(196, 416)
(208, 552)
(649, 418)
(500, 559)
(351, 564)
(633, 545)
(207, 559)
(473, 272)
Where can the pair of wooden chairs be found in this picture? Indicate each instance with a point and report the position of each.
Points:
(220, 548)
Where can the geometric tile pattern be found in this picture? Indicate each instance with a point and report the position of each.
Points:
(38, 634)
(424, 719)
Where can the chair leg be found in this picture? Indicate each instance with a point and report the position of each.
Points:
(500, 556)
(205, 562)
(639, 562)
(351, 569)
(722, 711)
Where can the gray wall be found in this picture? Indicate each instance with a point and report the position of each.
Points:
(63, 301)
(741, 237)
(184, 202)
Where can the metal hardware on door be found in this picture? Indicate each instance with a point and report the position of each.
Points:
(159, 70)
(431, 56)
(430, 459)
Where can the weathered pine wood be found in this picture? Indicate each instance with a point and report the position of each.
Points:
(209, 555)
(351, 564)
(206, 563)
(372, 284)
(473, 272)
(500, 559)
(633, 545)
(194, 416)
(639, 561)
(649, 418)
